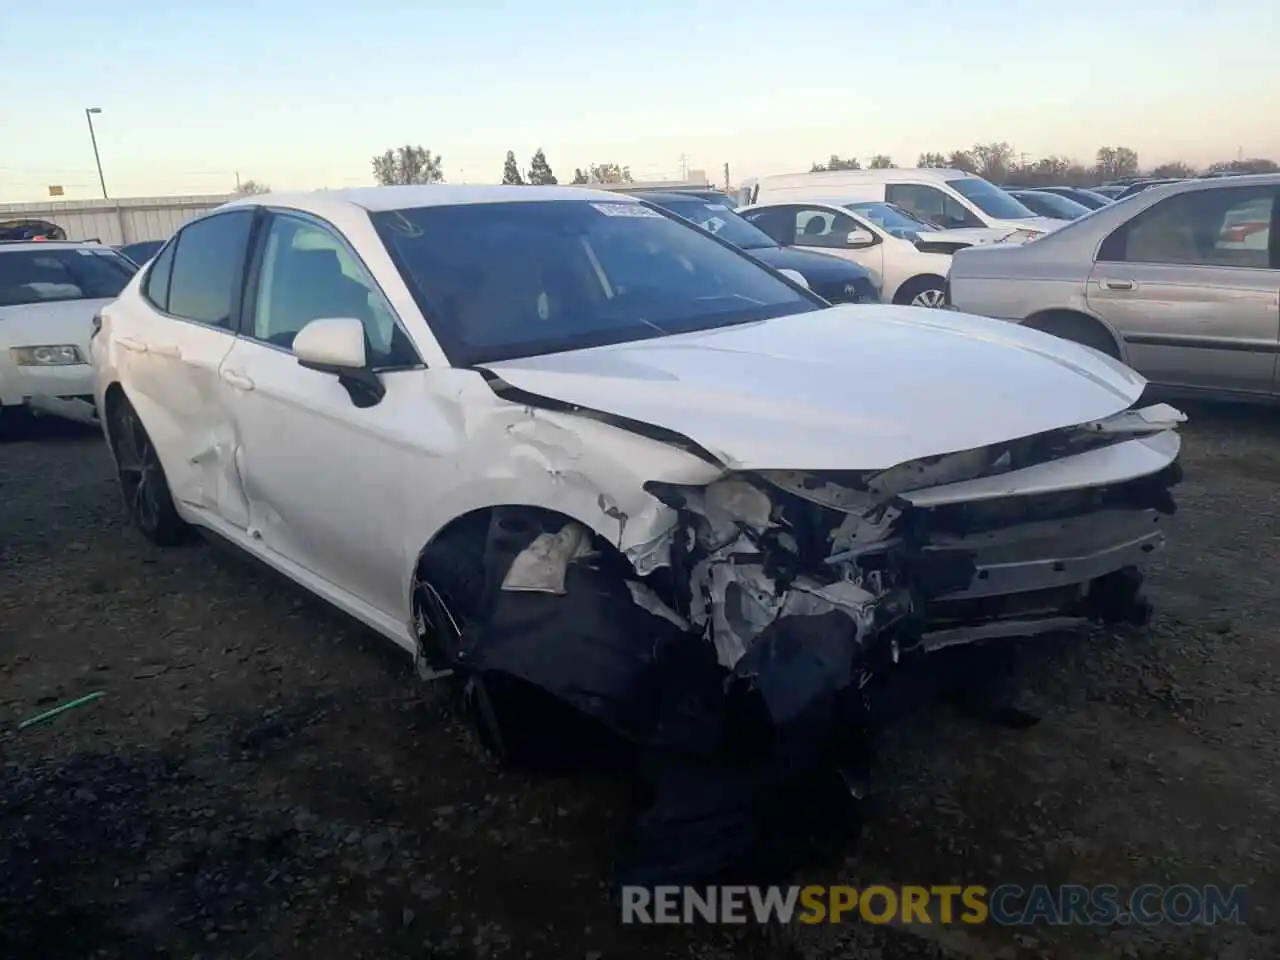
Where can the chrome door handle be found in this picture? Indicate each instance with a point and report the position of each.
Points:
(239, 381)
(137, 346)
(1119, 284)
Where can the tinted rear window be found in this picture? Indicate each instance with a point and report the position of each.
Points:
(990, 199)
(43, 276)
(504, 280)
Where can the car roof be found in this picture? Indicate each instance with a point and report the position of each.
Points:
(819, 201)
(1172, 187)
(6, 245)
(378, 199)
(659, 196)
(876, 175)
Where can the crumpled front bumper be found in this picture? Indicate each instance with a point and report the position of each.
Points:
(753, 646)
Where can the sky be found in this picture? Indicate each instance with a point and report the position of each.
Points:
(301, 95)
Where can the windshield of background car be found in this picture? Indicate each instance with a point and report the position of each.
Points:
(1061, 207)
(43, 276)
(718, 219)
(891, 219)
(498, 281)
(1090, 199)
(143, 251)
(990, 199)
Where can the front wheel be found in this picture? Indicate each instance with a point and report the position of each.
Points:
(142, 479)
(922, 292)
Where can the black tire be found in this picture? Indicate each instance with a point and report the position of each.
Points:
(1078, 329)
(925, 288)
(142, 479)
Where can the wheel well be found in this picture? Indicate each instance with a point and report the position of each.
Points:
(506, 528)
(517, 518)
(900, 296)
(1077, 327)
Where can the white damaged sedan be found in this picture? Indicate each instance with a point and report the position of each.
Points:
(554, 441)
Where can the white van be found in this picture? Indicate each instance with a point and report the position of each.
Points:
(952, 199)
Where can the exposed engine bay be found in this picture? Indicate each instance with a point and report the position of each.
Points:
(749, 654)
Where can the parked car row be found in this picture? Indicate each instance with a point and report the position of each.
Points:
(576, 450)
(623, 455)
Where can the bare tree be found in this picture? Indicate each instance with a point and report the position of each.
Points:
(992, 160)
(931, 159)
(579, 175)
(1114, 162)
(407, 164)
(962, 160)
(1256, 165)
(1174, 170)
(881, 162)
(609, 173)
(251, 188)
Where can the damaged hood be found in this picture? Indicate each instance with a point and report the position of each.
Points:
(848, 388)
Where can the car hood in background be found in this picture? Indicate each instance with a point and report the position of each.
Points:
(974, 236)
(816, 267)
(846, 388)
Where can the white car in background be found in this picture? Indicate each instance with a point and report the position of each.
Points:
(571, 447)
(908, 259)
(953, 199)
(50, 292)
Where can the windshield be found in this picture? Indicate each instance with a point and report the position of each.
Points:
(990, 199)
(498, 281)
(718, 219)
(892, 219)
(1054, 205)
(42, 276)
(142, 251)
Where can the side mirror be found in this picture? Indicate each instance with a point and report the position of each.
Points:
(859, 238)
(336, 345)
(795, 276)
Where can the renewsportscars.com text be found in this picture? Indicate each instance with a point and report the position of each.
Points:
(1006, 904)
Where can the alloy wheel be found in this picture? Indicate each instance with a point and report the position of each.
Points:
(928, 298)
(141, 478)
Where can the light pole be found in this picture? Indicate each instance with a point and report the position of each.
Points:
(88, 115)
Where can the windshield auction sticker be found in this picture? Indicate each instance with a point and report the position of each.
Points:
(626, 210)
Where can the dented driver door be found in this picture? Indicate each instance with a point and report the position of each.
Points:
(325, 478)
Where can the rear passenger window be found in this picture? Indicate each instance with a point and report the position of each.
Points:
(157, 285)
(207, 266)
(1211, 227)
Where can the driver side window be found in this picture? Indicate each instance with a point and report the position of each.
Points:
(823, 228)
(930, 203)
(308, 273)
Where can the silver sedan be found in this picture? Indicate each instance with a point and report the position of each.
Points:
(1181, 282)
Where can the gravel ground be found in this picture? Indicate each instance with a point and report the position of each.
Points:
(263, 779)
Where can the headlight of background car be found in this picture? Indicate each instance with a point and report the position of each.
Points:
(55, 355)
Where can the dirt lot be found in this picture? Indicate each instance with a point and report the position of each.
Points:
(263, 779)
